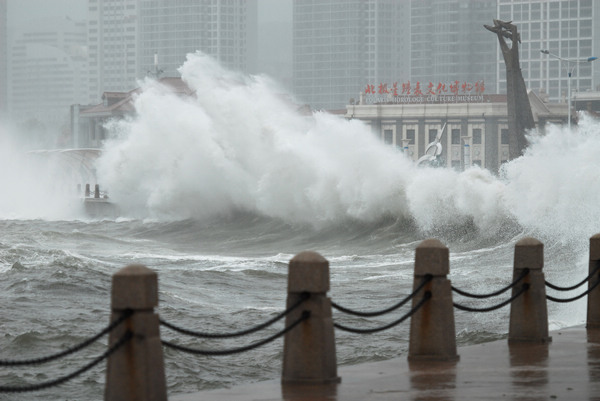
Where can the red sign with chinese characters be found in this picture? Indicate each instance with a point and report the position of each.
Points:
(407, 92)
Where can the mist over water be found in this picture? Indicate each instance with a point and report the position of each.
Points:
(237, 145)
(35, 183)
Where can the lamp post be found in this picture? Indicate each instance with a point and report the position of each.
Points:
(570, 70)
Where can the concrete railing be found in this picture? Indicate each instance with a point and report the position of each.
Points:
(309, 349)
(135, 365)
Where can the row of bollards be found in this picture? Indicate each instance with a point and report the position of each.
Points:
(135, 372)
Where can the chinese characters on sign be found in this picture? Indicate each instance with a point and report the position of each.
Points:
(458, 92)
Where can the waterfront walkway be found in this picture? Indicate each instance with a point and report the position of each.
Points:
(568, 368)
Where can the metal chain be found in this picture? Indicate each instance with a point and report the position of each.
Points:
(425, 298)
(427, 278)
(524, 288)
(557, 288)
(34, 387)
(303, 297)
(493, 294)
(305, 315)
(574, 298)
(68, 351)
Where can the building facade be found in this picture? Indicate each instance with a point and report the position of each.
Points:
(132, 39)
(113, 46)
(88, 122)
(567, 29)
(48, 70)
(339, 46)
(448, 41)
(172, 29)
(473, 126)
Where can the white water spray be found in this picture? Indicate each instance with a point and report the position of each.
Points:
(238, 145)
(35, 184)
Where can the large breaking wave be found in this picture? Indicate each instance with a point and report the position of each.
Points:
(237, 145)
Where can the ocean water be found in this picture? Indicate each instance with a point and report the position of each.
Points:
(219, 191)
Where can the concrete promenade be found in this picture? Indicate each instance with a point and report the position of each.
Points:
(567, 368)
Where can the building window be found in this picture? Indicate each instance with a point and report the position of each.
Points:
(477, 136)
(504, 136)
(388, 136)
(432, 135)
(455, 136)
(410, 135)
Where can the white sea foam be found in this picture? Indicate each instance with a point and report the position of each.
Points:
(238, 145)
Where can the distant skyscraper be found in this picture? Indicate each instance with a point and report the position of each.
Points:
(132, 39)
(568, 29)
(113, 46)
(3, 57)
(340, 46)
(48, 70)
(449, 42)
(174, 28)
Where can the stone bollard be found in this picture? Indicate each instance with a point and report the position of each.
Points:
(97, 191)
(136, 372)
(593, 298)
(309, 349)
(432, 331)
(528, 313)
(87, 190)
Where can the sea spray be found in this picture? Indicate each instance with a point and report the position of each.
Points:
(36, 183)
(237, 145)
(554, 188)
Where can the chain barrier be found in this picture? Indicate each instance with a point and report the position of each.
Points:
(303, 297)
(425, 298)
(305, 315)
(557, 288)
(427, 278)
(493, 294)
(524, 288)
(68, 351)
(41, 386)
(548, 297)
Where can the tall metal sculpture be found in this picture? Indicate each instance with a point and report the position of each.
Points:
(520, 117)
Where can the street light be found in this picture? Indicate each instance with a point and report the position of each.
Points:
(575, 62)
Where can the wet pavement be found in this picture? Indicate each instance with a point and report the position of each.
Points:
(567, 368)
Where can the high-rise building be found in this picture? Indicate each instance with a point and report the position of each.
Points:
(3, 57)
(47, 69)
(341, 46)
(132, 39)
(567, 29)
(173, 28)
(449, 43)
(113, 46)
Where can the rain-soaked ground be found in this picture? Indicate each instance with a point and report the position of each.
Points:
(567, 368)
